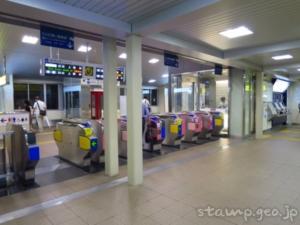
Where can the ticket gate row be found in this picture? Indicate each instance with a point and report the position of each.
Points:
(81, 142)
(173, 129)
(20, 155)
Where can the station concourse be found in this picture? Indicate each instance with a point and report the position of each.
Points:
(175, 112)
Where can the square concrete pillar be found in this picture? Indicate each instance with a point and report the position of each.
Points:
(109, 52)
(134, 109)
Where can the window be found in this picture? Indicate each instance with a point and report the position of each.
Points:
(52, 96)
(25, 91)
(20, 95)
(151, 95)
(36, 90)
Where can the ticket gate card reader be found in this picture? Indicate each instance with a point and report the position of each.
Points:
(171, 130)
(152, 138)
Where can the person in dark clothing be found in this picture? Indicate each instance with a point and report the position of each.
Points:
(29, 109)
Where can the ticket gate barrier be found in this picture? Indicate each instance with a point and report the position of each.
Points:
(122, 126)
(207, 122)
(152, 137)
(218, 123)
(171, 130)
(78, 142)
(23, 154)
(192, 125)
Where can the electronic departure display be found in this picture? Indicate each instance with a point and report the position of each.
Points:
(120, 74)
(99, 74)
(65, 70)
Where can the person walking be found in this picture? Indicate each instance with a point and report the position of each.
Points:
(40, 112)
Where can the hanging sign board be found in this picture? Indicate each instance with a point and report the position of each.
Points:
(171, 60)
(56, 38)
(72, 69)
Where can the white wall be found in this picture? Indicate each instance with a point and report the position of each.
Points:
(293, 101)
(222, 90)
(7, 96)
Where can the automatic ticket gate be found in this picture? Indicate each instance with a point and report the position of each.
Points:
(218, 123)
(152, 138)
(122, 126)
(207, 122)
(192, 125)
(79, 142)
(171, 130)
(22, 152)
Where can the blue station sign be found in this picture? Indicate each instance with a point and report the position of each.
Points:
(56, 38)
(171, 60)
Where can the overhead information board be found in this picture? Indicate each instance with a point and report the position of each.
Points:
(52, 68)
(71, 69)
(56, 38)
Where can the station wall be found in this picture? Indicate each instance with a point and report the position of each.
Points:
(293, 101)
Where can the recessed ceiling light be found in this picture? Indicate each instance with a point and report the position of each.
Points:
(236, 32)
(123, 56)
(84, 48)
(282, 57)
(30, 39)
(152, 81)
(298, 69)
(165, 75)
(153, 60)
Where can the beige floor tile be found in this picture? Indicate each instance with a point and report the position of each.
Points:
(180, 209)
(164, 217)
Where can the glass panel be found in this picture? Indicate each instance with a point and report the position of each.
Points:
(52, 96)
(36, 90)
(20, 95)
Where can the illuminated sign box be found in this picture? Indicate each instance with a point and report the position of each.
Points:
(70, 69)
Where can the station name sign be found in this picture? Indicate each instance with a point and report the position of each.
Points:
(56, 38)
(72, 69)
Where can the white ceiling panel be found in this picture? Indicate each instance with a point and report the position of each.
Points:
(271, 21)
(125, 10)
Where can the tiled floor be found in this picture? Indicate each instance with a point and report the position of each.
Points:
(229, 174)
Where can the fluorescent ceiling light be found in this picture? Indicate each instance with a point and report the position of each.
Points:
(236, 32)
(282, 57)
(152, 81)
(30, 39)
(165, 75)
(123, 56)
(3, 80)
(84, 48)
(153, 60)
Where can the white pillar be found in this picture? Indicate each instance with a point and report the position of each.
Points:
(259, 105)
(109, 50)
(236, 104)
(134, 109)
